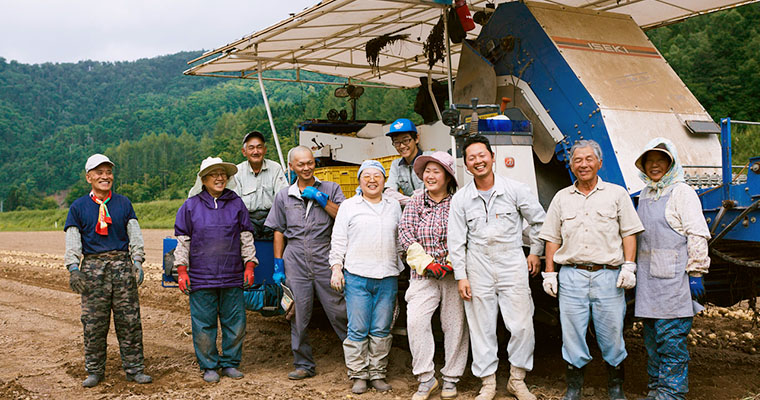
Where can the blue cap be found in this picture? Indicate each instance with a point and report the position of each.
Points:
(370, 164)
(402, 125)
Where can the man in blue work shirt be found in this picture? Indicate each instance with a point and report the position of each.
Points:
(102, 231)
(303, 215)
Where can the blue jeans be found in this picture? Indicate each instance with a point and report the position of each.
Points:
(369, 304)
(586, 295)
(228, 306)
(667, 356)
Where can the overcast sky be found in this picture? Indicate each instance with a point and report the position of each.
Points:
(38, 31)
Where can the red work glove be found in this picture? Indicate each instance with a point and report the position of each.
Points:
(184, 279)
(436, 270)
(248, 274)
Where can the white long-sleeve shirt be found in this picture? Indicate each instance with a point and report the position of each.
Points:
(365, 238)
(683, 212)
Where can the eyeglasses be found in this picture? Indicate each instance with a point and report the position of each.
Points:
(217, 175)
(368, 178)
(405, 142)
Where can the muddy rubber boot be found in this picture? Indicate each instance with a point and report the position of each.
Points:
(516, 384)
(210, 376)
(359, 387)
(140, 378)
(380, 385)
(92, 380)
(574, 380)
(488, 388)
(232, 372)
(425, 389)
(615, 382)
(378, 350)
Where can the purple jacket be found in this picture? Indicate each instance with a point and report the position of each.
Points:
(214, 227)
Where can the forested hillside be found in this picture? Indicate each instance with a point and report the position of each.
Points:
(157, 124)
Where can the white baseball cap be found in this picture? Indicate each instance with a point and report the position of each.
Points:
(95, 160)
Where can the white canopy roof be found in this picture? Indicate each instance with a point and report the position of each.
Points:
(330, 37)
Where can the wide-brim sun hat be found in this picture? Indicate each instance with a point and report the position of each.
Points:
(442, 158)
(661, 148)
(212, 163)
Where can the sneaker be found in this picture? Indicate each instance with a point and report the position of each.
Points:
(140, 378)
(299, 374)
(425, 389)
(232, 372)
(92, 380)
(210, 376)
(449, 390)
(359, 387)
(380, 385)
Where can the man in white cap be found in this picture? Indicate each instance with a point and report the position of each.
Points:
(104, 255)
(257, 181)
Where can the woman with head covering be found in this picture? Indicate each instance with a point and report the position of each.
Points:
(422, 233)
(215, 258)
(365, 265)
(672, 257)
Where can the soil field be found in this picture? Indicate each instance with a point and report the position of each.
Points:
(41, 354)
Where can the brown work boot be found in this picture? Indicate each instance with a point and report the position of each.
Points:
(516, 385)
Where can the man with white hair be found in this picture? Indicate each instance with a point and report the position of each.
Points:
(302, 218)
(590, 232)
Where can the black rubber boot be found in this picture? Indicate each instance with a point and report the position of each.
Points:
(615, 376)
(574, 378)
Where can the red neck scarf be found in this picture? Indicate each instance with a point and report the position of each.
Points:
(104, 218)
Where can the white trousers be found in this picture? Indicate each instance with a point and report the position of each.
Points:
(422, 299)
(495, 286)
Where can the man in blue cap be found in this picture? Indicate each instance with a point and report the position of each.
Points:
(402, 181)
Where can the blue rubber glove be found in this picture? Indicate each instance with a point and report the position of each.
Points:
(312, 193)
(279, 271)
(696, 286)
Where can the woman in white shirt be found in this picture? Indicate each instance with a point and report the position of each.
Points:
(672, 256)
(365, 263)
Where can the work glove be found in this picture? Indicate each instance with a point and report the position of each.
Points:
(337, 281)
(627, 276)
(696, 286)
(137, 269)
(184, 279)
(311, 193)
(248, 274)
(417, 258)
(279, 270)
(551, 285)
(436, 270)
(77, 280)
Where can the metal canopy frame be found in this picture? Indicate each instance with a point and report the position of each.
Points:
(330, 37)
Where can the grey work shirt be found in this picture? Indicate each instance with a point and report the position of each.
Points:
(478, 230)
(306, 226)
(402, 178)
(590, 228)
(258, 190)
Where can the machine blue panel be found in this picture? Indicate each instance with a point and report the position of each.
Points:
(264, 253)
(553, 81)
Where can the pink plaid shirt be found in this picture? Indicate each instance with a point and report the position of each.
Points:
(424, 221)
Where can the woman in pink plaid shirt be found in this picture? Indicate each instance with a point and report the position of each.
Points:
(422, 233)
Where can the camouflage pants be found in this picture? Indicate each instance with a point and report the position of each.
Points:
(111, 285)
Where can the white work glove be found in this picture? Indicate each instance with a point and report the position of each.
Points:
(551, 286)
(336, 280)
(627, 276)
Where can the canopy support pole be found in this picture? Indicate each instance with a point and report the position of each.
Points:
(271, 121)
(448, 80)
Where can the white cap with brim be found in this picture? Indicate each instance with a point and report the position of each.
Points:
(95, 160)
(208, 165)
